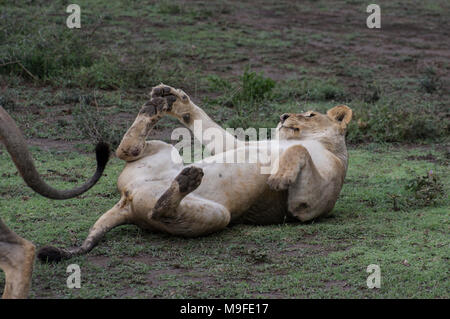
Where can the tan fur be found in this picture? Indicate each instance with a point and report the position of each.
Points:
(312, 167)
(16, 260)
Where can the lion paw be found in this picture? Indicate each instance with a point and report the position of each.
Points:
(170, 94)
(189, 179)
(156, 106)
(281, 181)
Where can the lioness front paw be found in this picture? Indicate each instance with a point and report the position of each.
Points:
(179, 103)
(156, 106)
(171, 95)
(281, 180)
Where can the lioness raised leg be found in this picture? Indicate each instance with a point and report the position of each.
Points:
(190, 115)
(195, 216)
(132, 147)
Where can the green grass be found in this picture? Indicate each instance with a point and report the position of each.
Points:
(323, 259)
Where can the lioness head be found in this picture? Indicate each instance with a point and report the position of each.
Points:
(314, 125)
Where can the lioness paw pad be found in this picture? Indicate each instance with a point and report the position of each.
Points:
(154, 106)
(189, 179)
(170, 93)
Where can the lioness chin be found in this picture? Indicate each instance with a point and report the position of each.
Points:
(160, 194)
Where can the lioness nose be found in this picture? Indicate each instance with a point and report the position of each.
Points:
(284, 117)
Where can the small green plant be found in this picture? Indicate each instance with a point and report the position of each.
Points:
(252, 88)
(311, 89)
(372, 93)
(246, 96)
(430, 82)
(427, 190)
(255, 87)
(168, 7)
(258, 256)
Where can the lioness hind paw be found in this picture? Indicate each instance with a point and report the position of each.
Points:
(49, 254)
(189, 179)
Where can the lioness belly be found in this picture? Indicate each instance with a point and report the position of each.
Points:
(235, 186)
(270, 208)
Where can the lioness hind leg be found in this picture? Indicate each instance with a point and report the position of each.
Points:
(188, 216)
(16, 260)
(116, 216)
(187, 181)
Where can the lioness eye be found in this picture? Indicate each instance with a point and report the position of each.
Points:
(311, 115)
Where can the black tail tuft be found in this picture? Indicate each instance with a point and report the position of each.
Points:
(102, 152)
(49, 254)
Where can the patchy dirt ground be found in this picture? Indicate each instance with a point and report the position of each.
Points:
(285, 40)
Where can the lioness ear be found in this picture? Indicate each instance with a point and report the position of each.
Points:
(342, 114)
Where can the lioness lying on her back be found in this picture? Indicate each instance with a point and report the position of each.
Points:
(160, 194)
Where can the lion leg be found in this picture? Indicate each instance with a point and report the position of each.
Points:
(16, 260)
(188, 216)
(116, 216)
(287, 168)
(187, 181)
(297, 173)
(215, 139)
(307, 197)
(133, 144)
